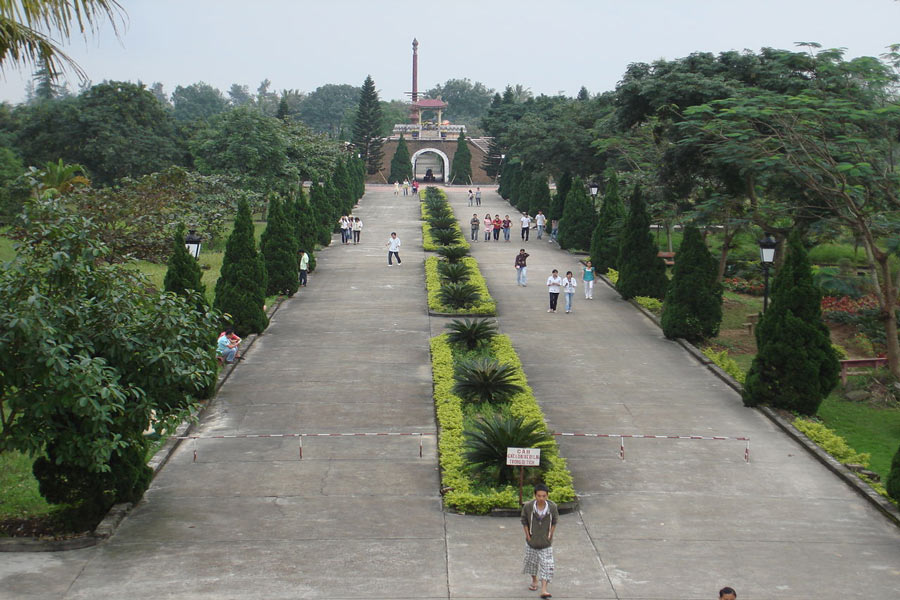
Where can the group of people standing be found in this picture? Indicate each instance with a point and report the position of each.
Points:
(475, 197)
(351, 228)
(405, 186)
(555, 283)
(492, 227)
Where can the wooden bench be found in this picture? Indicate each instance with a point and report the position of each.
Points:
(850, 363)
(668, 258)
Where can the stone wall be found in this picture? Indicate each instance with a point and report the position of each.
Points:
(448, 147)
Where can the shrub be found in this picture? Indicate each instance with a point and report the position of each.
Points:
(578, 220)
(471, 334)
(795, 367)
(693, 307)
(484, 306)
(641, 271)
(605, 238)
(443, 222)
(893, 481)
(726, 363)
(445, 237)
(453, 272)
(486, 444)
(743, 286)
(485, 380)
(613, 276)
(459, 295)
(454, 253)
(651, 304)
(831, 442)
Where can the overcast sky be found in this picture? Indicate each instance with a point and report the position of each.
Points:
(549, 46)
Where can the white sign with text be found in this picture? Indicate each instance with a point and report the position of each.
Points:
(523, 457)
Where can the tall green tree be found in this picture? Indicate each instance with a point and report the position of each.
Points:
(366, 128)
(693, 306)
(893, 481)
(578, 220)
(401, 163)
(197, 102)
(461, 169)
(559, 198)
(605, 239)
(343, 187)
(641, 271)
(241, 288)
(326, 108)
(539, 196)
(183, 274)
(795, 366)
(278, 245)
(467, 102)
(90, 352)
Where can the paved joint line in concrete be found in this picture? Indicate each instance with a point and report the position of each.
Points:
(597, 553)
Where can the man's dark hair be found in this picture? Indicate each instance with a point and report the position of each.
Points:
(727, 590)
(540, 487)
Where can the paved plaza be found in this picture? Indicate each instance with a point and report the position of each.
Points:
(360, 517)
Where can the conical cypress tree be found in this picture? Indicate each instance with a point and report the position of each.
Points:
(401, 164)
(693, 305)
(578, 219)
(359, 170)
(306, 229)
(241, 288)
(343, 189)
(893, 481)
(559, 199)
(183, 274)
(279, 249)
(605, 239)
(539, 196)
(334, 200)
(366, 128)
(641, 271)
(322, 211)
(461, 169)
(795, 367)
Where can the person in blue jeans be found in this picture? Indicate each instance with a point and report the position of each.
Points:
(521, 268)
(569, 285)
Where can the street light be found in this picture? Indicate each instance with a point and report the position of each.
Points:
(192, 243)
(594, 187)
(766, 257)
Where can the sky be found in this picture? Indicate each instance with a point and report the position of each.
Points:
(548, 46)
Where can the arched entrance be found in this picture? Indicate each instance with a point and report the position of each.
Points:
(430, 158)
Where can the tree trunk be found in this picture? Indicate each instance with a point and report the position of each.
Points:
(723, 253)
(887, 303)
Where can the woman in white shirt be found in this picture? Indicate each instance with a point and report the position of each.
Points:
(357, 229)
(553, 283)
(569, 285)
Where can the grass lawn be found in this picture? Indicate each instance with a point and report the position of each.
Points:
(866, 429)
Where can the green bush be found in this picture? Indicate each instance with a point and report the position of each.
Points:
(651, 304)
(484, 306)
(612, 275)
(641, 271)
(693, 306)
(893, 481)
(727, 364)
(487, 441)
(453, 272)
(445, 237)
(831, 442)
(459, 295)
(453, 254)
(485, 380)
(471, 334)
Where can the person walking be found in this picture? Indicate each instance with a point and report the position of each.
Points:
(488, 226)
(475, 223)
(498, 225)
(415, 187)
(303, 267)
(539, 518)
(393, 246)
(357, 229)
(526, 225)
(540, 220)
(521, 268)
(406, 187)
(345, 229)
(478, 196)
(554, 230)
(587, 276)
(471, 198)
(396, 188)
(506, 225)
(553, 284)
(569, 285)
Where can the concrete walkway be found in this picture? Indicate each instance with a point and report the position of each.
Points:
(361, 517)
(676, 519)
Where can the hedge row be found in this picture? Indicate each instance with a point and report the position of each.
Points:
(450, 443)
(427, 242)
(487, 306)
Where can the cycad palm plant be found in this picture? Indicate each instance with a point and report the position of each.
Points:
(486, 443)
(471, 334)
(445, 237)
(444, 221)
(459, 295)
(453, 254)
(453, 272)
(485, 380)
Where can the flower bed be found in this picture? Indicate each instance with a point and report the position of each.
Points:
(487, 306)
(845, 309)
(462, 495)
(743, 286)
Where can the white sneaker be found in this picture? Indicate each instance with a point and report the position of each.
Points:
(549, 310)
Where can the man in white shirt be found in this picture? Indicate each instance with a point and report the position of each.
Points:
(526, 225)
(393, 246)
(540, 220)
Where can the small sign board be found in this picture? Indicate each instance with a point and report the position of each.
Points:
(523, 457)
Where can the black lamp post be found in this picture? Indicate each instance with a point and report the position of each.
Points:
(766, 257)
(594, 187)
(192, 243)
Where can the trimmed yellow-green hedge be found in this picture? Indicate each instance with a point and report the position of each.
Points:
(450, 443)
(428, 244)
(486, 306)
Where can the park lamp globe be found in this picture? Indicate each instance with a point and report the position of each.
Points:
(192, 242)
(594, 187)
(767, 249)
